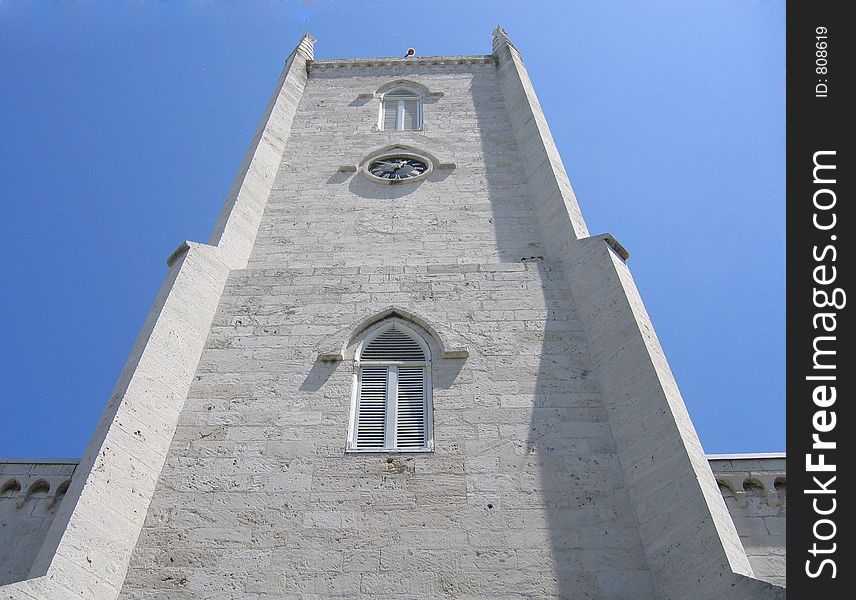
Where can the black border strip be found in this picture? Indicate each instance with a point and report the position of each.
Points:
(820, 330)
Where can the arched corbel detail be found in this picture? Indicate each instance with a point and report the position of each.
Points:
(725, 482)
(730, 483)
(40, 486)
(58, 496)
(334, 348)
(768, 485)
(10, 487)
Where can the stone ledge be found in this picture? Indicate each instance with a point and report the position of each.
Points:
(339, 63)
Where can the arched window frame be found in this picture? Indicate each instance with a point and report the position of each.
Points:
(390, 425)
(398, 96)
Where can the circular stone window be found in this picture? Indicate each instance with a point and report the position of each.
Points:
(400, 168)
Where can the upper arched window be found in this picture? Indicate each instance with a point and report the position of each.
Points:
(391, 407)
(401, 110)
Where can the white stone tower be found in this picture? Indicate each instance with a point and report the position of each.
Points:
(400, 368)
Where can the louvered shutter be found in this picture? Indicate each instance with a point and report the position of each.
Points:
(393, 345)
(411, 115)
(410, 408)
(390, 114)
(400, 110)
(392, 409)
(371, 407)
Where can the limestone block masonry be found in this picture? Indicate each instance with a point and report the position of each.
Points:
(754, 488)
(565, 465)
(30, 493)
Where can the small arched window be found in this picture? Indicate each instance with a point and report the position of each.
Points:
(401, 110)
(391, 407)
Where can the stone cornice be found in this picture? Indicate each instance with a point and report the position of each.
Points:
(747, 456)
(349, 63)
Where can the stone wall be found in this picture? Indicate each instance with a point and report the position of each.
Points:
(520, 498)
(476, 211)
(30, 492)
(754, 487)
(523, 496)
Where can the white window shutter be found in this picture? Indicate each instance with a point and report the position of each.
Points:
(392, 399)
(410, 408)
(411, 115)
(371, 408)
(390, 114)
(401, 110)
(393, 344)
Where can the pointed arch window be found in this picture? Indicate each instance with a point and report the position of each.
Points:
(401, 110)
(391, 406)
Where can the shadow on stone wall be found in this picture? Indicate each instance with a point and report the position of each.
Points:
(591, 535)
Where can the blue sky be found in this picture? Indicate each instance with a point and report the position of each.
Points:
(122, 125)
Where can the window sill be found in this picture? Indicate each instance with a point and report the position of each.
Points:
(375, 129)
(389, 450)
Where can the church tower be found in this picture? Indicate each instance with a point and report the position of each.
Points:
(401, 367)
